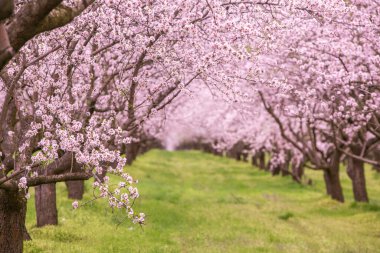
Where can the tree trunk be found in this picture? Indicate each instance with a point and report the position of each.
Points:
(332, 179)
(26, 234)
(333, 186)
(285, 169)
(46, 206)
(269, 164)
(355, 170)
(276, 170)
(238, 156)
(262, 160)
(132, 150)
(244, 157)
(297, 172)
(254, 160)
(75, 189)
(12, 221)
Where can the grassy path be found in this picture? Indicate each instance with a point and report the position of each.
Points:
(200, 203)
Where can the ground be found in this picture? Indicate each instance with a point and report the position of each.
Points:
(198, 202)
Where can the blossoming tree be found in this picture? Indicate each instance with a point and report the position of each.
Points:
(80, 78)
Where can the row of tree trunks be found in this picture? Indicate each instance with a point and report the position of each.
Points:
(355, 170)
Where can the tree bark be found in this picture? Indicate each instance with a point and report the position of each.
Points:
(132, 151)
(75, 189)
(297, 171)
(262, 160)
(355, 170)
(333, 185)
(332, 179)
(46, 207)
(254, 160)
(12, 221)
(27, 236)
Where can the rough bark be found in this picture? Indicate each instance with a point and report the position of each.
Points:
(333, 185)
(75, 189)
(27, 236)
(45, 203)
(332, 179)
(12, 221)
(355, 170)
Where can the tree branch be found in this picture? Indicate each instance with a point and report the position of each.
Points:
(39, 180)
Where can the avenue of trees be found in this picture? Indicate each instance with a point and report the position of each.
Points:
(87, 85)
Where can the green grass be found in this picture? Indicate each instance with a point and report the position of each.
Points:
(201, 203)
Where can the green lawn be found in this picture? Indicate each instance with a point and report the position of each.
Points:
(197, 202)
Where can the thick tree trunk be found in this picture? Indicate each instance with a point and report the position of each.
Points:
(46, 205)
(332, 179)
(75, 189)
(12, 221)
(333, 185)
(355, 170)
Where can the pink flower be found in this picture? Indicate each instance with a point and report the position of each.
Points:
(75, 204)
